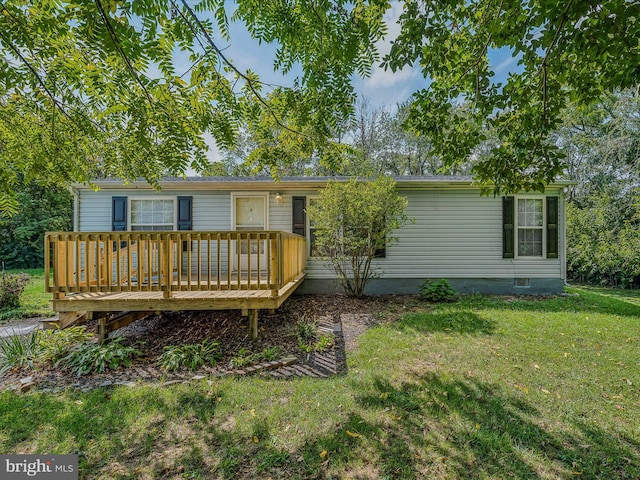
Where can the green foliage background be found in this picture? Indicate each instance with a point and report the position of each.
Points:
(40, 209)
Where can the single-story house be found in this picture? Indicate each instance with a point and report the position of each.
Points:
(200, 239)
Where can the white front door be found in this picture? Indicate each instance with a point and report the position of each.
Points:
(250, 214)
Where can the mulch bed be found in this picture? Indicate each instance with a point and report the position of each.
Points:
(231, 331)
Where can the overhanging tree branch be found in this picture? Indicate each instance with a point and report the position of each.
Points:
(120, 50)
(230, 64)
(35, 73)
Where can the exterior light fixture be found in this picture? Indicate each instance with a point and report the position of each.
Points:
(279, 199)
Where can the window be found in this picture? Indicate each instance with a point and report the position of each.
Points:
(530, 221)
(152, 214)
(530, 226)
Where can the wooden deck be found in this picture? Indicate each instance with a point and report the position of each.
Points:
(111, 272)
(180, 300)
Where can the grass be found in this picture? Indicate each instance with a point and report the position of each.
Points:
(484, 388)
(35, 301)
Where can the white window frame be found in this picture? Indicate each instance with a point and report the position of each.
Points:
(235, 195)
(543, 227)
(130, 210)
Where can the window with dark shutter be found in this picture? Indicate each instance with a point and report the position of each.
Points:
(299, 221)
(507, 227)
(118, 214)
(552, 227)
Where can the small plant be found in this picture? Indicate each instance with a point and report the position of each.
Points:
(92, 357)
(325, 342)
(56, 343)
(440, 291)
(268, 354)
(190, 356)
(242, 359)
(306, 330)
(11, 287)
(18, 351)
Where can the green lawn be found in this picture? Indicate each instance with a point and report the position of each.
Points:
(35, 301)
(483, 388)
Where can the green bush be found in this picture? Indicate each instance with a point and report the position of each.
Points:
(11, 287)
(40, 346)
(18, 351)
(439, 291)
(56, 343)
(190, 356)
(89, 357)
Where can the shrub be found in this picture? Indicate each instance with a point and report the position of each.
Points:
(55, 344)
(18, 351)
(440, 291)
(93, 357)
(11, 287)
(354, 223)
(190, 356)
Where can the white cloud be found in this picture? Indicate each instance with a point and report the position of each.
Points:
(381, 78)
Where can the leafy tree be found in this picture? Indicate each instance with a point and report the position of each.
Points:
(602, 146)
(107, 74)
(40, 209)
(603, 213)
(565, 51)
(353, 221)
(603, 245)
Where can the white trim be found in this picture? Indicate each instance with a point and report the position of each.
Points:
(543, 228)
(174, 199)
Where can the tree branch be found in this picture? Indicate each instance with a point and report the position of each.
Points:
(235, 69)
(120, 50)
(35, 73)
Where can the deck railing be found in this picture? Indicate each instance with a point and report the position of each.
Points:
(165, 261)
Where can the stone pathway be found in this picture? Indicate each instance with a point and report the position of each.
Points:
(320, 364)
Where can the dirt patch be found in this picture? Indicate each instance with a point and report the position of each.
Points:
(231, 331)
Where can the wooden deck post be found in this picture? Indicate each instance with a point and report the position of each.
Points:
(102, 329)
(253, 324)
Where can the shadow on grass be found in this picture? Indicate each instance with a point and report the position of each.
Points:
(452, 321)
(430, 427)
(578, 300)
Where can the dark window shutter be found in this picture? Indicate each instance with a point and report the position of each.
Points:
(552, 227)
(299, 225)
(508, 232)
(185, 213)
(118, 214)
